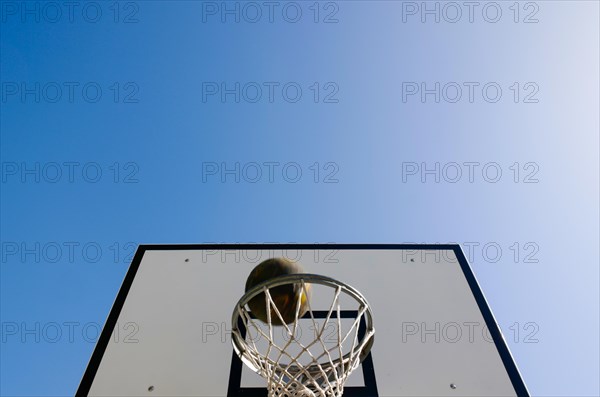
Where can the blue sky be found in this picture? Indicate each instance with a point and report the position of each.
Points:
(120, 121)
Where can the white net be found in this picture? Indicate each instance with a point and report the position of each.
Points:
(299, 363)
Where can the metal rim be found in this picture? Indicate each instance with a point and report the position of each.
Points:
(361, 350)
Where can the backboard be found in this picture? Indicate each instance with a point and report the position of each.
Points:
(169, 330)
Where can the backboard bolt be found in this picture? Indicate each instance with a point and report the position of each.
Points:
(151, 388)
(452, 386)
(187, 259)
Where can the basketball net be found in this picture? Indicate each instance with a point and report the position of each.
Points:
(314, 369)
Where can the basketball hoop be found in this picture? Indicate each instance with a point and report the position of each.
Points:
(304, 368)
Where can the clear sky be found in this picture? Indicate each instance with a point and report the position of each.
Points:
(353, 122)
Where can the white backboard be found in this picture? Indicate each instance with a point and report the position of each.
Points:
(168, 333)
